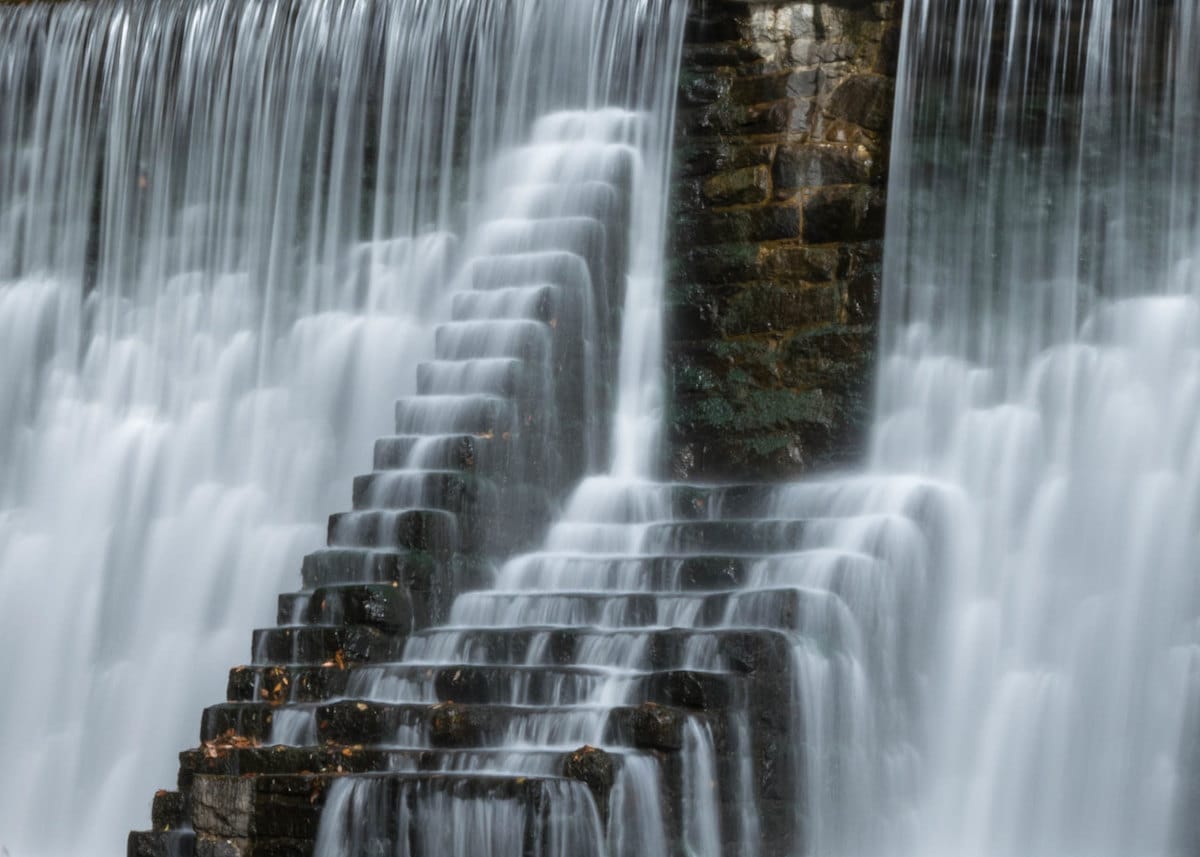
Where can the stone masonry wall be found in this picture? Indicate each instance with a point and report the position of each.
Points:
(782, 137)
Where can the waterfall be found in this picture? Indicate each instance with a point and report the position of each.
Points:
(1040, 348)
(241, 241)
(227, 232)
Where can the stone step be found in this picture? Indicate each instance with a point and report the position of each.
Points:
(812, 611)
(506, 377)
(741, 536)
(585, 237)
(737, 650)
(281, 813)
(454, 725)
(515, 270)
(494, 518)
(160, 843)
(241, 761)
(682, 573)
(414, 570)
(537, 302)
(476, 684)
(326, 644)
(487, 416)
(453, 491)
(355, 735)
(219, 768)
(531, 341)
(465, 452)
(433, 530)
(627, 572)
(168, 811)
(382, 605)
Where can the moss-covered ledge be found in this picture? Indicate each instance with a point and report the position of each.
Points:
(784, 115)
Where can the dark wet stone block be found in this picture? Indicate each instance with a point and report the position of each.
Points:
(691, 689)
(816, 165)
(358, 722)
(433, 530)
(454, 725)
(234, 724)
(386, 606)
(705, 88)
(771, 307)
(278, 847)
(168, 811)
(712, 22)
(712, 572)
(865, 100)
(841, 214)
(705, 56)
(596, 769)
(414, 570)
(705, 230)
(281, 759)
(223, 806)
(317, 644)
(462, 494)
(649, 726)
(757, 653)
(159, 843)
(290, 684)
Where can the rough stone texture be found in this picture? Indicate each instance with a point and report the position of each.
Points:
(784, 114)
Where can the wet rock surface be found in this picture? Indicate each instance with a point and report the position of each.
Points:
(784, 115)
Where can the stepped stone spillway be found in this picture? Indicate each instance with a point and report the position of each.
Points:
(643, 670)
(385, 613)
(516, 641)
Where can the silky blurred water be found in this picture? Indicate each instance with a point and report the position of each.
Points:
(226, 232)
(1039, 359)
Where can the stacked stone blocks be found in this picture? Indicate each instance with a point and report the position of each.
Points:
(783, 124)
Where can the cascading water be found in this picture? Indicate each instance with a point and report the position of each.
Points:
(1038, 389)
(226, 230)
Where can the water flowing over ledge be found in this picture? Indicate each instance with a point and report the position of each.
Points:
(217, 274)
(227, 232)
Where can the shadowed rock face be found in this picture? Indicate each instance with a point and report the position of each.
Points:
(784, 114)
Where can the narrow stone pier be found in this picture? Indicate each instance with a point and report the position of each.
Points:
(781, 163)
